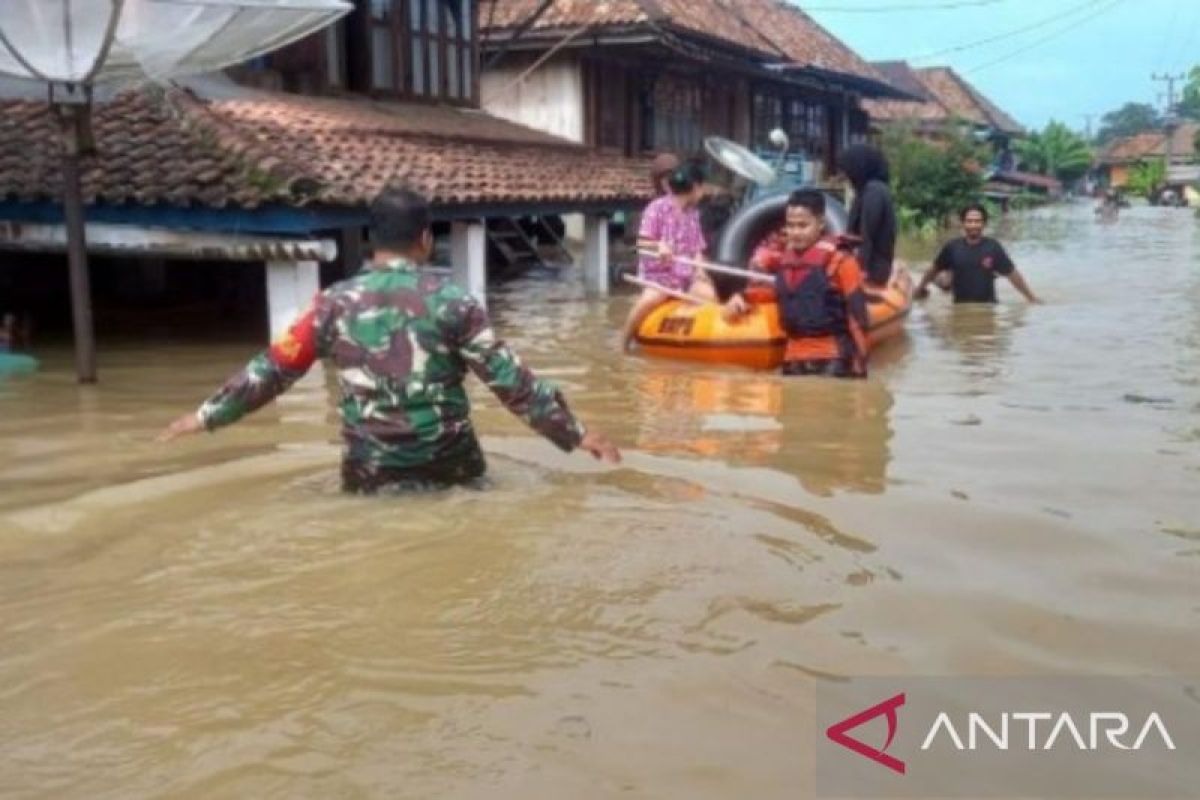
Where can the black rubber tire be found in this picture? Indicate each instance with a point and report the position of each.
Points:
(753, 223)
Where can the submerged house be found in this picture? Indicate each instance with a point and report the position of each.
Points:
(261, 175)
(945, 102)
(638, 77)
(1121, 156)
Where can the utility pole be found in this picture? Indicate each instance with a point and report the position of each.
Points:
(1169, 123)
(1088, 118)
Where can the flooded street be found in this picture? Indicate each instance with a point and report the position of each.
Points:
(1013, 491)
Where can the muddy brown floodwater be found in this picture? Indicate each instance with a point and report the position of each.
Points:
(1014, 491)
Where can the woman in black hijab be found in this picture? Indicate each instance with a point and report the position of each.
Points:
(872, 216)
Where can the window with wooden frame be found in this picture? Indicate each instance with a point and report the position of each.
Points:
(420, 48)
(767, 116)
(610, 106)
(803, 118)
(678, 115)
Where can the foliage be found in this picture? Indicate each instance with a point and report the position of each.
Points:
(1129, 119)
(931, 182)
(1190, 105)
(1027, 199)
(1147, 177)
(1056, 151)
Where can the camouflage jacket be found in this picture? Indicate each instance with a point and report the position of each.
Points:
(402, 341)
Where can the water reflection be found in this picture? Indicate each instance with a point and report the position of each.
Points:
(829, 434)
(980, 334)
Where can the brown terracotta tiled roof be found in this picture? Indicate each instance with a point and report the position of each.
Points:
(177, 148)
(1152, 144)
(804, 41)
(944, 84)
(773, 30)
(903, 77)
(710, 18)
(509, 14)
(1133, 148)
(949, 96)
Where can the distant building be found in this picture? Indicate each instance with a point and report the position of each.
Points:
(1120, 156)
(637, 77)
(947, 102)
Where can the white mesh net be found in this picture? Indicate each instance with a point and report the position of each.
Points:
(107, 41)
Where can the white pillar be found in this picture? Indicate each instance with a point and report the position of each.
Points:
(574, 226)
(595, 253)
(468, 249)
(291, 286)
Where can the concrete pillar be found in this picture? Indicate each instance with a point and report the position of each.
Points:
(468, 249)
(573, 227)
(291, 286)
(595, 253)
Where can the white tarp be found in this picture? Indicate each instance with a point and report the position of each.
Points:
(105, 41)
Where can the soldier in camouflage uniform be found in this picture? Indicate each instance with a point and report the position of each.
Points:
(402, 342)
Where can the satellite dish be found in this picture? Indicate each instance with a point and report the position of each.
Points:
(71, 46)
(102, 41)
(740, 161)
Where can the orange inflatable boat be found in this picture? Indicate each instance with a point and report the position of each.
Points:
(692, 332)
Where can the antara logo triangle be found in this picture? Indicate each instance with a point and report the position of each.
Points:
(837, 733)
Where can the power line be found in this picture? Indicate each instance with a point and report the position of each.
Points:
(1165, 60)
(942, 6)
(1104, 9)
(1010, 33)
(1189, 36)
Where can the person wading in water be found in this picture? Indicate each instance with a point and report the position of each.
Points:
(973, 263)
(402, 341)
(872, 214)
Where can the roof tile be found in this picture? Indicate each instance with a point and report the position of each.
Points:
(177, 148)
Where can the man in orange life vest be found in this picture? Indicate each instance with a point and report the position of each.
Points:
(819, 289)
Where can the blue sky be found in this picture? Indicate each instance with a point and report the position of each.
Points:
(1091, 61)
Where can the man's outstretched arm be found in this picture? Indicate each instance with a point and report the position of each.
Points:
(268, 375)
(539, 403)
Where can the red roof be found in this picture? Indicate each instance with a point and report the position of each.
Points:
(1016, 177)
(176, 147)
(1152, 144)
(774, 30)
(949, 95)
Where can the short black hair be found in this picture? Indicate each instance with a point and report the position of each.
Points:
(811, 199)
(698, 170)
(399, 216)
(681, 180)
(967, 209)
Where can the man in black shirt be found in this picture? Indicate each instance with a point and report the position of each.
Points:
(973, 262)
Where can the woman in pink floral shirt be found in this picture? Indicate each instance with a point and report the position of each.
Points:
(670, 226)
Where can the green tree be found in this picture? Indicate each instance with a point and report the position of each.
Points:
(1147, 177)
(931, 182)
(1056, 151)
(1127, 120)
(1190, 106)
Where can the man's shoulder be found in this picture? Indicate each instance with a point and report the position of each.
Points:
(372, 284)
